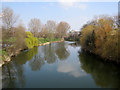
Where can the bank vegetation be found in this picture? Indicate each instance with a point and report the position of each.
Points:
(16, 37)
(101, 36)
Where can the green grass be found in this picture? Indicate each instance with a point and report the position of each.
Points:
(3, 53)
(11, 40)
(44, 40)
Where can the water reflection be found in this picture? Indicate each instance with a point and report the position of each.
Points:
(70, 68)
(49, 53)
(67, 66)
(36, 63)
(104, 74)
(12, 74)
(23, 57)
(61, 51)
(75, 44)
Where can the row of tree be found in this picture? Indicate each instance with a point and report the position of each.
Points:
(101, 35)
(50, 30)
(15, 37)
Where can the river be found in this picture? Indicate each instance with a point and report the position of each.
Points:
(59, 65)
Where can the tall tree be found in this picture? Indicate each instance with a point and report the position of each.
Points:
(35, 26)
(51, 27)
(8, 18)
(62, 29)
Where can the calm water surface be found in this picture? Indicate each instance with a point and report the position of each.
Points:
(59, 65)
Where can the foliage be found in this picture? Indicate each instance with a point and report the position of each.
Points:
(10, 40)
(62, 29)
(15, 42)
(9, 18)
(43, 40)
(3, 53)
(101, 38)
(31, 41)
(15, 38)
(35, 26)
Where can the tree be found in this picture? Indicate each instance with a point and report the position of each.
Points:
(51, 27)
(9, 18)
(20, 36)
(31, 41)
(62, 29)
(101, 37)
(88, 38)
(35, 26)
(44, 32)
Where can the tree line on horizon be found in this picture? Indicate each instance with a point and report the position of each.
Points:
(16, 37)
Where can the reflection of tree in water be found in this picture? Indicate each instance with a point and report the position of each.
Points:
(12, 73)
(105, 74)
(61, 51)
(36, 63)
(75, 44)
(23, 57)
(49, 53)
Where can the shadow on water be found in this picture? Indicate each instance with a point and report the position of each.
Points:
(105, 74)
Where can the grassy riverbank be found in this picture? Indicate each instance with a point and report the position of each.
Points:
(41, 41)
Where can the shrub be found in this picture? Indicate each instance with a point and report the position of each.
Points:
(31, 41)
(101, 38)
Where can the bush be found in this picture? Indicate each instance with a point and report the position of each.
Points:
(101, 38)
(31, 41)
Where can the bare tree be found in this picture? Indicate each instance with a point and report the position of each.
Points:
(51, 27)
(44, 32)
(62, 29)
(35, 26)
(8, 18)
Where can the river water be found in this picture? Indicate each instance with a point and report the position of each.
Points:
(59, 65)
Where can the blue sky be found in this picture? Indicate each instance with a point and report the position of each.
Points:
(76, 14)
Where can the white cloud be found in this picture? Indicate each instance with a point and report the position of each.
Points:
(66, 4)
(70, 68)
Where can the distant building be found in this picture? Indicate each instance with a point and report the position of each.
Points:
(73, 35)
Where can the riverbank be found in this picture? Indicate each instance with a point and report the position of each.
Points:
(8, 58)
(101, 38)
(117, 61)
(50, 43)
